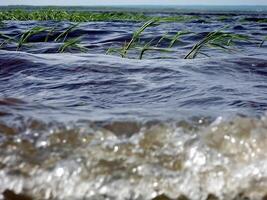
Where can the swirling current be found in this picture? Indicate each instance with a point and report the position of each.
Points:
(95, 126)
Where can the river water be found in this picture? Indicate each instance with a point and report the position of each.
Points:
(95, 126)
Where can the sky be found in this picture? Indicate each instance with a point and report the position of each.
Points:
(133, 2)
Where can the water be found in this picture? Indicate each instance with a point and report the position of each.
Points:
(96, 126)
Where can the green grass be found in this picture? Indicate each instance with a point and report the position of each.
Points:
(148, 47)
(165, 36)
(84, 16)
(136, 36)
(178, 18)
(217, 39)
(65, 33)
(220, 39)
(6, 37)
(62, 15)
(50, 33)
(223, 18)
(254, 20)
(145, 48)
(25, 36)
(262, 21)
(6, 40)
(177, 36)
(134, 43)
(70, 44)
(22, 39)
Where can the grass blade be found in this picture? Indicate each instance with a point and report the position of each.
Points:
(65, 33)
(25, 36)
(72, 43)
(136, 35)
(216, 39)
(177, 36)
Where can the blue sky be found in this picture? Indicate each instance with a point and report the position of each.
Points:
(120, 2)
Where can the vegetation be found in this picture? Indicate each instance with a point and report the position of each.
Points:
(23, 39)
(25, 36)
(65, 33)
(254, 19)
(148, 47)
(223, 18)
(84, 16)
(217, 39)
(50, 33)
(136, 36)
(6, 39)
(220, 39)
(72, 44)
(177, 36)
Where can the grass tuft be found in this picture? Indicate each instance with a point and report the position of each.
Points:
(177, 36)
(217, 39)
(73, 43)
(65, 33)
(25, 36)
(136, 36)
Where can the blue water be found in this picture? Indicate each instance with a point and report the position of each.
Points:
(87, 125)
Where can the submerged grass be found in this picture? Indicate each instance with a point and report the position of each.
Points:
(50, 33)
(136, 36)
(223, 18)
(148, 47)
(217, 39)
(73, 43)
(22, 39)
(254, 19)
(6, 37)
(177, 36)
(5, 40)
(25, 36)
(65, 33)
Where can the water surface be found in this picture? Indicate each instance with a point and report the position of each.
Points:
(96, 126)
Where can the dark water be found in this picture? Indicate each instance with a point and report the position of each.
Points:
(96, 126)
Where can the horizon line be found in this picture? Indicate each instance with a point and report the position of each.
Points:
(140, 5)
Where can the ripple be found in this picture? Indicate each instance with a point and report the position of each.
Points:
(96, 126)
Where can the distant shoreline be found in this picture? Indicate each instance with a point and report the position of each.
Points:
(149, 8)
